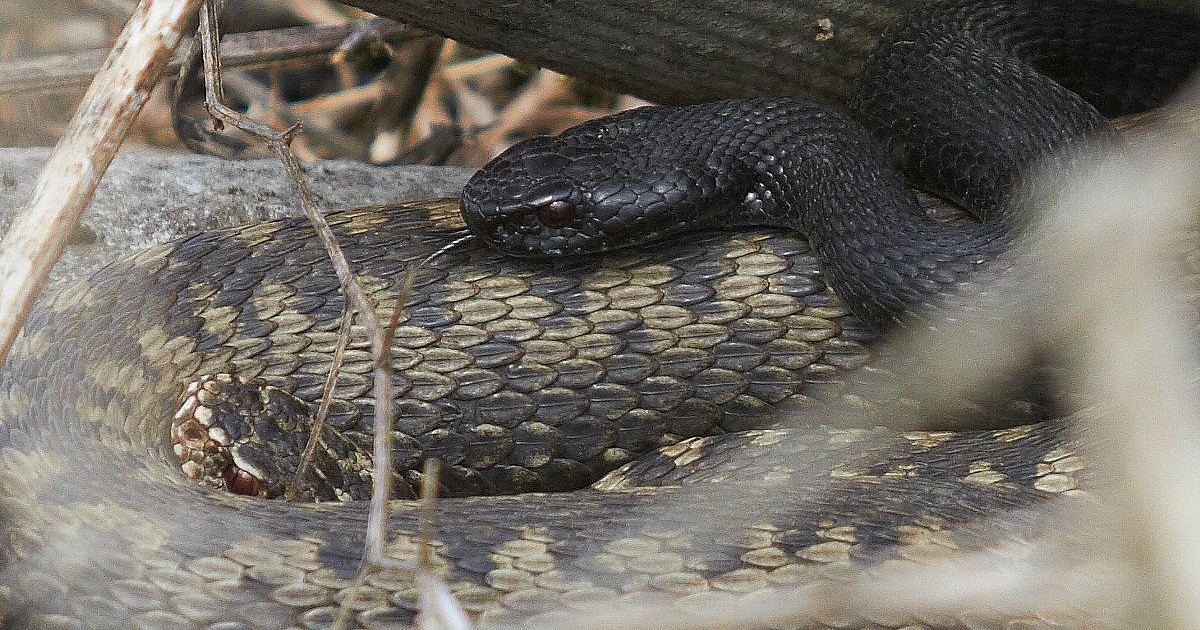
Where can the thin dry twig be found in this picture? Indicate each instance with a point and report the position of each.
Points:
(429, 111)
(373, 553)
(384, 412)
(330, 105)
(432, 473)
(317, 124)
(343, 615)
(475, 66)
(439, 609)
(291, 493)
(67, 182)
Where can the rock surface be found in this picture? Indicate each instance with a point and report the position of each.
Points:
(146, 199)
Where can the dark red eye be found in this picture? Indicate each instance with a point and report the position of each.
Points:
(555, 215)
(239, 481)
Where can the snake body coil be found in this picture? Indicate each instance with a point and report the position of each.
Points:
(956, 96)
(519, 374)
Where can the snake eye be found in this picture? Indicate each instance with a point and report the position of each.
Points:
(239, 481)
(555, 215)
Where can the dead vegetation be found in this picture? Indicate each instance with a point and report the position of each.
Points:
(362, 87)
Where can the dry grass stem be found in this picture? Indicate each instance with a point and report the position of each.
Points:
(430, 112)
(431, 477)
(475, 110)
(331, 105)
(403, 83)
(346, 607)
(317, 126)
(439, 608)
(352, 290)
(314, 436)
(366, 32)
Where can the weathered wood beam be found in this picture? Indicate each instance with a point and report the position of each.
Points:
(671, 51)
(679, 51)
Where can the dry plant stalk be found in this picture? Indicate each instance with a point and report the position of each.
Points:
(381, 342)
(65, 186)
(352, 290)
(380, 339)
(544, 89)
(291, 493)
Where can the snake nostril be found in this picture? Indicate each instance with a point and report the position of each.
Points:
(555, 215)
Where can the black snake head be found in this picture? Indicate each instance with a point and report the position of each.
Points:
(596, 187)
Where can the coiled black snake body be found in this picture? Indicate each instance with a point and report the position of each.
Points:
(511, 366)
(643, 175)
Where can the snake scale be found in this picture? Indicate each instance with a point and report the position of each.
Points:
(580, 364)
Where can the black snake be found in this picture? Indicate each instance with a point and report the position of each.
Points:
(507, 365)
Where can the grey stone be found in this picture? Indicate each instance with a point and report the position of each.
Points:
(146, 199)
